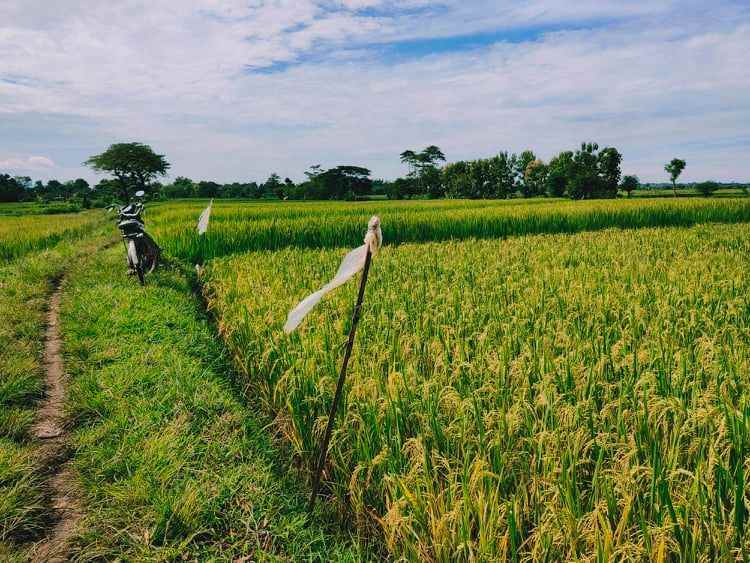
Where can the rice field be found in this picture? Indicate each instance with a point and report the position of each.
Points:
(239, 227)
(541, 398)
(538, 380)
(28, 232)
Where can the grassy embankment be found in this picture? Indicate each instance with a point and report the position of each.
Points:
(25, 286)
(172, 464)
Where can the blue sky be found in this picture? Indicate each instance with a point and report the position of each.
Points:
(237, 89)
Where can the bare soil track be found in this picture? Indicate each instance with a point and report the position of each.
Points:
(50, 431)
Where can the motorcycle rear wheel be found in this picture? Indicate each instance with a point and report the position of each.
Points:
(150, 253)
(135, 261)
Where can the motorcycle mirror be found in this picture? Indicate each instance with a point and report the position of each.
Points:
(140, 193)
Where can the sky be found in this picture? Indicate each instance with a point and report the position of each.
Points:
(234, 90)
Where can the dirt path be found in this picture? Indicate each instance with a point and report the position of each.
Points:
(50, 430)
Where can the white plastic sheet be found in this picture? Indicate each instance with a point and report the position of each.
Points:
(204, 218)
(350, 266)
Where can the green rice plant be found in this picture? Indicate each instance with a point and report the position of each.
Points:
(36, 208)
(25, 233)
(238, 227)
(542, 398)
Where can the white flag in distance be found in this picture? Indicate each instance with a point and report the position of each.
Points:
(350, 266)
(203, 219)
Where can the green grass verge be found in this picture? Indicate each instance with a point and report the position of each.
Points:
(25, 286)
(171, 463)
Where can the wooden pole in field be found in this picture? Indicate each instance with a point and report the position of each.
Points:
(340, 385)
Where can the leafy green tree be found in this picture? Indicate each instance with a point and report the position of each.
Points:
(401, 188)
(522, 162)
(344, 182)
(585, 182)
(134, 165)
(535, 178)
(629, 184)
(458, 179)
(594, 173)
(610, 172)
(274, 186)
(255, 190)
(106, 190)
(707, 188)
(208, 189)
(11, 190)
(502, 172)
(674, 168)
(559, 173)
(423, 168)
(409, 157)
(480, 185)
(78, 190)
(54, 190)
(289, 186)
(432, 182)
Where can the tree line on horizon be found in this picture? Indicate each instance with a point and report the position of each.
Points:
(586, 173)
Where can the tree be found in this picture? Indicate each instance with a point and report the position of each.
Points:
(457, 179)
(207, 189)
(106, 190)
(183, 187)
(535, 178)
(401, 188)
(289, 185)
(502, 170)
(10, 189)
(707, 188)
(584, 181)
(559, 173)
(409, 157)
(522, 162)
(344, 182)
(423, 168)
(674, 169)
(610, 172)
(274, 186)
(592, 173)
(79, 190)
(134, 165)
(629, 184)
(54, 190)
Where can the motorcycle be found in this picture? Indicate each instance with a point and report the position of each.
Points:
(142, 251)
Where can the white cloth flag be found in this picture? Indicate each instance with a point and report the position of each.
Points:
(350, 266)
(203, 219)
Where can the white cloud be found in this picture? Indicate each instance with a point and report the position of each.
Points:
(26, 164)
(663, 79)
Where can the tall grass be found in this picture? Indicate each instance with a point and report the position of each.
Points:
(262, 226)
(543, 398)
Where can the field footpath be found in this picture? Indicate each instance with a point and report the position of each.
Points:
(26, 286)
(50, 430)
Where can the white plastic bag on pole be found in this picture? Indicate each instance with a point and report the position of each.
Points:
(350, 266)
(204, 218)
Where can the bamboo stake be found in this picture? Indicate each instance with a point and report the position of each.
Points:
(340, 384)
